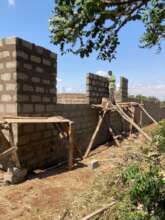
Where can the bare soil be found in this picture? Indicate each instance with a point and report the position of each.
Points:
(47, 194)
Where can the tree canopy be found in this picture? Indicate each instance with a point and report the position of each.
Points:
(84, 26)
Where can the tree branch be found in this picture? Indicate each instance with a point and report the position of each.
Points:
(122, 2)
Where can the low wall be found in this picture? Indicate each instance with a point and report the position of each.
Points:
(72, 98)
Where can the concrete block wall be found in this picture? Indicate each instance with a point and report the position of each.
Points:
(96, 87)
(36, 79)
(28, 88)
(8, 71)
(123, 91)
(72, 98)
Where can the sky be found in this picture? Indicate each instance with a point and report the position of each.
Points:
(145, 68)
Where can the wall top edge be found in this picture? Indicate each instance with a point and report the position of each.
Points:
(13, 40)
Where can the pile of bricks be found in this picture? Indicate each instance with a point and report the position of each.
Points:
(97, 88)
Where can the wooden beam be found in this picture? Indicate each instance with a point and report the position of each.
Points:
(96, 132)
(99, 211)
(145, 111)
(7, 152)
(128, 119)
(71, 145)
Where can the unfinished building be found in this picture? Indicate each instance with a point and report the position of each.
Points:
(28, 88)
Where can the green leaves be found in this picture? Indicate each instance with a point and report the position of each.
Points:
(82, 26)
(147, 193)
(159, 136)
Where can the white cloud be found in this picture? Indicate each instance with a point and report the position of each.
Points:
(11, 2)
(156, 90)
(101, 73)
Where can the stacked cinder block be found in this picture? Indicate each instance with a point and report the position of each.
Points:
(28, 88)
(97, 88)
(123, 89)
(8, 77)
(36, 79)
(72, 98)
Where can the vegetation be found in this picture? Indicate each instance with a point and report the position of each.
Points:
(84, 26)
(138, 189)
(144, 98)
(159, 136)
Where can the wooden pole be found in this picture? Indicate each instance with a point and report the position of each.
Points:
(95, 132)
(7, 152)
(99, 211)
(128, 119)
(132, 118)
(114, 137)
(145, 111)
(12, 143)
(71, 145)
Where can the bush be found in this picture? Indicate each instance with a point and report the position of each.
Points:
(147, 194)
(159, 136)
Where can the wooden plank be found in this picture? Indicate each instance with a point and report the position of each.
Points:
(71, 145)
(99, 211)
(7, 152)
(128, 119)
(132, 114)
(115, 138)
(145, 111)
(95, 132)
(53, 119)
(3, 140)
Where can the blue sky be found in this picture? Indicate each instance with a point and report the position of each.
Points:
(144, 68)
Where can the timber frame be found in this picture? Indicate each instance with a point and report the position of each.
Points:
(64, 126)
(121, 108)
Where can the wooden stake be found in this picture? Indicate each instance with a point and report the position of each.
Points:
(98, 211)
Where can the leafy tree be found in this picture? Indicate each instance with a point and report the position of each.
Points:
(82, 26)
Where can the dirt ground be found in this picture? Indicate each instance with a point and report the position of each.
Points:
(47, 194)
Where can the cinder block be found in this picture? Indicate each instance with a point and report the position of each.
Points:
(39, 69)
(12, 64)
(46, 62)
(11, 87)
(10, 41)
(6, 98)
(28, 88)
(6, 76)
(39, 89)
(28, 108)
(11, 108)
(22, 55)
(35, 98)
(27, 44)
(35, 59)
(39, 108)
(4, 54)
(35, 79)
(27, 66)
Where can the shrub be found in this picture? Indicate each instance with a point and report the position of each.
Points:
(147, 194)
(159, 136)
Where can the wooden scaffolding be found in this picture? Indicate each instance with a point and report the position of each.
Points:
(64, 126)
(127, 112)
